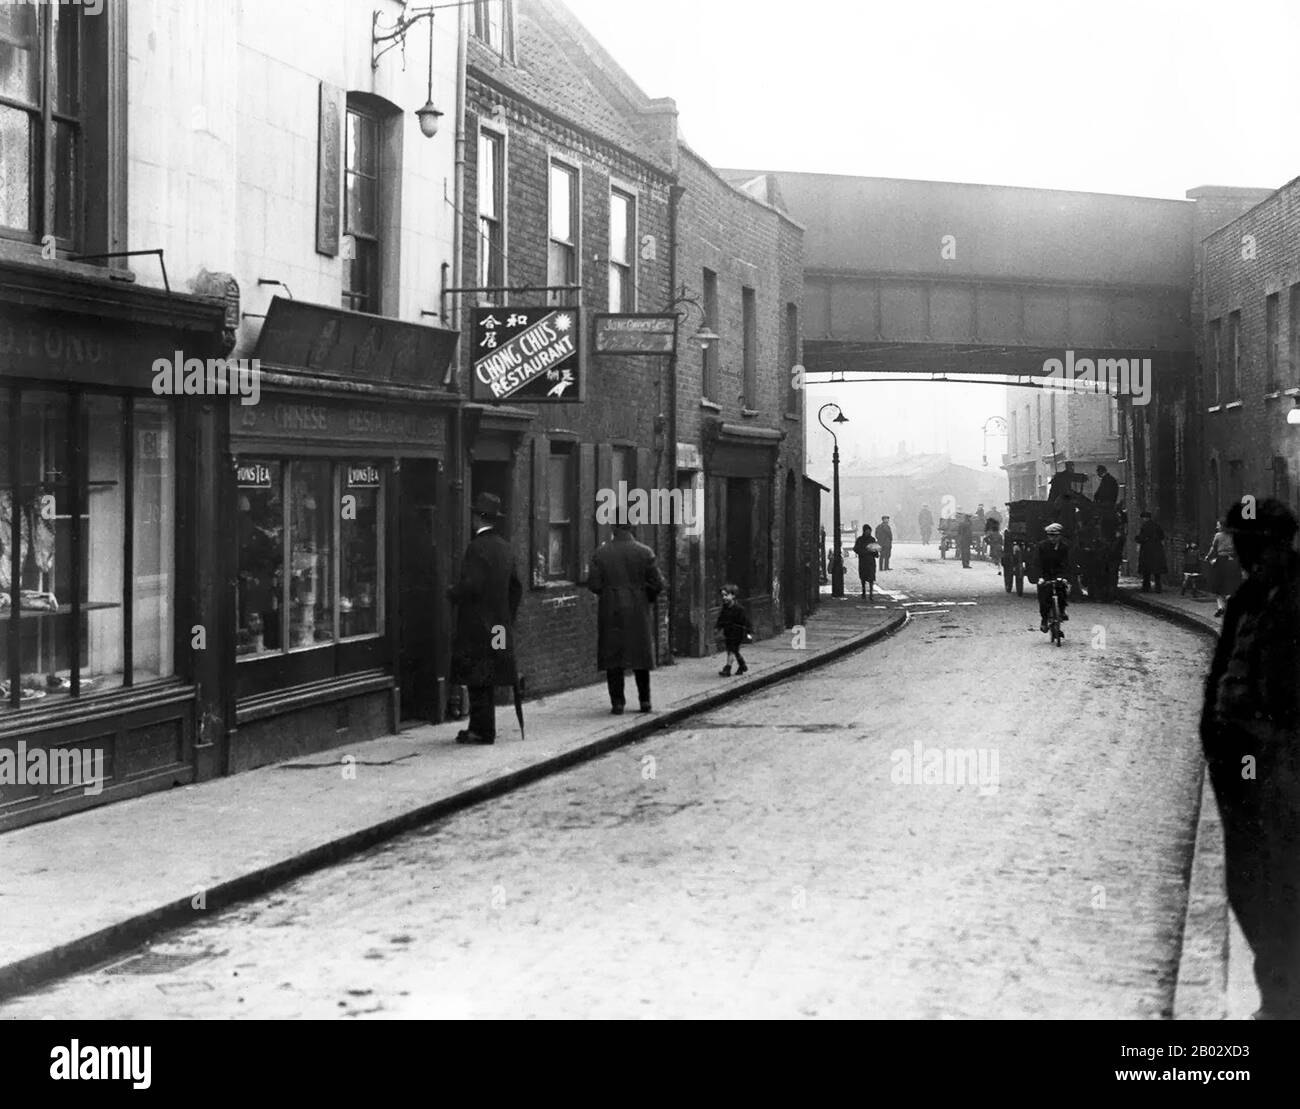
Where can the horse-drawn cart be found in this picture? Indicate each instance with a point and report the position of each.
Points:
(1093, 532)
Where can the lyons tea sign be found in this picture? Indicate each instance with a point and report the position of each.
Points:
(528, 354)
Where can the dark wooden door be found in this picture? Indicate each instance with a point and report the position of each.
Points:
(419, 606)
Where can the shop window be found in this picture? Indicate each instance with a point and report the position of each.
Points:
(622, 236)
(491, 214)
(563, 492)
(562, 250)
(325, 584)
(86, 544)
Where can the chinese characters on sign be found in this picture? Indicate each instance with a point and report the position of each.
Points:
(531, 354)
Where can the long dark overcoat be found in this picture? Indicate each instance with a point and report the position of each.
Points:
(486, 599)
(625, 576)
(1151, 548)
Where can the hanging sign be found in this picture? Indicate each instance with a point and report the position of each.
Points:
(528, 354)
(633, 333)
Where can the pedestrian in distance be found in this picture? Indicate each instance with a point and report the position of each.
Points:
(1107, 487)
(1151, 553)
(487, 599)
(625, 576)
(925, 522)
(867, 550)
(885, 538)
(1250, 734)
(734, 628)
(1225, 570)
(965, 536)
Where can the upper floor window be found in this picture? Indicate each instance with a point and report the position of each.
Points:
(709, 357)
(749, 308)
(1293, 336)
(361, 211)
(622, 234)
(1271, 343)
(1215, 354)
(1233, 367)
(491, 211)
(494, 25)
(45, 75)
(793, 390)
(562, 253)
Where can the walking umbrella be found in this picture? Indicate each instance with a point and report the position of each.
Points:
(519, 705)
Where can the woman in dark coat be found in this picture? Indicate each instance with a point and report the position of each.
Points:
(625, 576)
(1225, 570)
(866, 548)
(1151, 553)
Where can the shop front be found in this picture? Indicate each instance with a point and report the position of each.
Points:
(740, 466)
(345, 503)
(101, 546)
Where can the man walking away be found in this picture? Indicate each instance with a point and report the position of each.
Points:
(625, 576)
(925, 521)
(1151, 553)
(1107, 487)
(885, 537)
(1250, 733)
(486, 598)
(965, 536)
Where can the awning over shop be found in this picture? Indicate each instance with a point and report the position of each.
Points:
(338, 342)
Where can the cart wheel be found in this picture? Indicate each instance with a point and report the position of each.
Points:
(1020, 581)
(1007, 577)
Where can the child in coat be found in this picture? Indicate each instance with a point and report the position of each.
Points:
(733, 628)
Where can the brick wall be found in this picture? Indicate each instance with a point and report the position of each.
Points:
(1244, 429)
(626, 395)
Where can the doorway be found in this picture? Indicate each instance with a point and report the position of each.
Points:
(790, 552)
(421, 609)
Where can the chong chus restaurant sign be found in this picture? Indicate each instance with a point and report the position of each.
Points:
(528, 354)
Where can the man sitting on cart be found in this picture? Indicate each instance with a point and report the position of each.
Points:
(1053, 564)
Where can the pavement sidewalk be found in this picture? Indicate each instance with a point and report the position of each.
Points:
(80, 889)
(1215, 979)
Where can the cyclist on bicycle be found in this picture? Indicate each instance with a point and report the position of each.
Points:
(1053, 565)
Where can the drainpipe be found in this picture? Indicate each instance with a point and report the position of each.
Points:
(674, 198)
(457, 475)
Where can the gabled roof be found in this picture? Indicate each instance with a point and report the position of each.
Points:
(563, 69)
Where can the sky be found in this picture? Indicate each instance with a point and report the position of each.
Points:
(1137, 97)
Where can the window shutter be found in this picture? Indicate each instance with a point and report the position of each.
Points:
(541, 511)
(604, 476)
(586, 515)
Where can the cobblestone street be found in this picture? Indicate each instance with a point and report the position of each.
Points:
(765, 860)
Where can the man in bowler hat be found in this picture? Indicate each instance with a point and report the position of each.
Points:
(486, 599)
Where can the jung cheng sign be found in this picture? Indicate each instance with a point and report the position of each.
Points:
(528, 354)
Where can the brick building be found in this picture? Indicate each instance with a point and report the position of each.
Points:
(1247, 309)
(1047, 427)
(567, 183)
(740, 407)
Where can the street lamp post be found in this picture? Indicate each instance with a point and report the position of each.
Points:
(837, 557)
